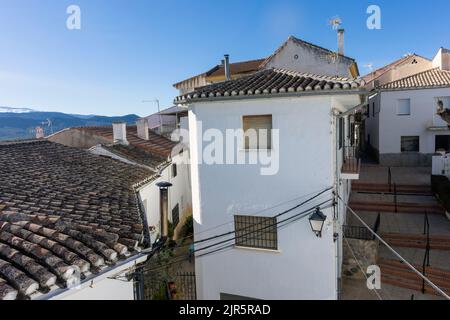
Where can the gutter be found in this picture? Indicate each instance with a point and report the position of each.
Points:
(92, 279)
(277, 95)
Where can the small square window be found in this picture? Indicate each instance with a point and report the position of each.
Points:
(257, 132)
(410, 144)
(404, 107)
(256, 232)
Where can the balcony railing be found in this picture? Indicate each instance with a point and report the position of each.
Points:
(352, 161)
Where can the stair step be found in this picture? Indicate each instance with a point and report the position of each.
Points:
(396, 273)
(402, 283)
(400, 265)
(402, 207)
(412, 236)
(417, 241)
(365, 186)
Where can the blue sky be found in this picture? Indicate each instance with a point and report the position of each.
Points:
(129, 51)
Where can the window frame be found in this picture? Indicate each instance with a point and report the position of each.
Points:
(398, 107)
(256, 231)
(270, 139)
(406, 151)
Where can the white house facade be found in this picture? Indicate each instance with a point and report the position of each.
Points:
(403, 126)
(308, 154)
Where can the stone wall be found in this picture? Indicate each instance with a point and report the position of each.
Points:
(365, 251)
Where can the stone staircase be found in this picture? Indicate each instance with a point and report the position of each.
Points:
(401, 188)
(437, 242)
(396, 273)
(402, 207)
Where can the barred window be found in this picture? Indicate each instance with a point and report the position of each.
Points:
(256, 232)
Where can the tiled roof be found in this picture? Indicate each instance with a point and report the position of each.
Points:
(137, 155)
(62, 207)
(236, 68)
(156, 144)
(272, 82)
(379, 72)
(433, 78)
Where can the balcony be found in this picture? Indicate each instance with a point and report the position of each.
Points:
(351, 166)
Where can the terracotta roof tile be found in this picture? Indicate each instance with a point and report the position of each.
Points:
(433, 78)
(157, 144)
(272, 82)
(63, 208)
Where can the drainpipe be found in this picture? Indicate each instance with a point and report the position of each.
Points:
(164, 207)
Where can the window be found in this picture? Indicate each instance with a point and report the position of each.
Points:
(410, 144)
(442, 142)
(257, 132)
(404, 107)
(256, 232)
(176, 215)
(174, 170)
(341, 133)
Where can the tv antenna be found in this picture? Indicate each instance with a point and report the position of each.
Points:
(335, 22)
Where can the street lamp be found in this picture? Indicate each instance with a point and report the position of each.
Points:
(317, 220)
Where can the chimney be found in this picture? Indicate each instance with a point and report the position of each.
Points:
(39, 133)
(164, 207)
(341, 41)
(227, 67)
(120, 132)
(142, 128)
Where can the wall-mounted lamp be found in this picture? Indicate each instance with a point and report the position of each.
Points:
(317, 220)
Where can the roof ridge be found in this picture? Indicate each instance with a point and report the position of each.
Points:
(410, 76)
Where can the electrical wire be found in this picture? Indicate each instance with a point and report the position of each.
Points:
(435, 287)
(360, 267)
(276, 216)
(286, 221)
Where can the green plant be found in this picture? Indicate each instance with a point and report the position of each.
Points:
(188, 227)
(171, 230)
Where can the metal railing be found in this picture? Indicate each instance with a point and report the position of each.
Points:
(352, 159)
(361, 233)
(426, 258)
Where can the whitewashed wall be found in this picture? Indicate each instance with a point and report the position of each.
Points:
(387, 128)
(304, 267)
(179, 193)
(304, 58)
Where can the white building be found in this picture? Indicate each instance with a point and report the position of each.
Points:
(402, 125)
(310, 116)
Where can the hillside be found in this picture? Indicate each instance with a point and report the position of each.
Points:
(14, 125)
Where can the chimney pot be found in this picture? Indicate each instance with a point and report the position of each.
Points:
(142, 129)
(341, 41)
(120, 133)
(227, 67)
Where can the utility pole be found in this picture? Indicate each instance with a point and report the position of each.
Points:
(159, 112)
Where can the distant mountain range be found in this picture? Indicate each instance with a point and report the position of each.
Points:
(21, 123)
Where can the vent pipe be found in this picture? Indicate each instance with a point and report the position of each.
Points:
(227, 67)
(164, 207)
(341, 41)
